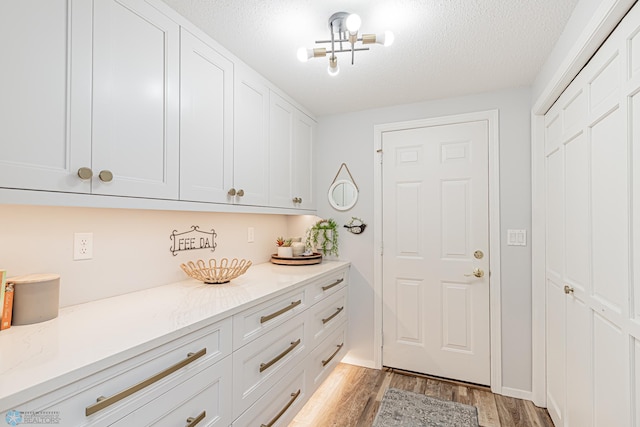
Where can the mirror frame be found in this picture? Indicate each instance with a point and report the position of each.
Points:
(334, 204)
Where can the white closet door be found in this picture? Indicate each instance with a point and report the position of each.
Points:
(592, 330)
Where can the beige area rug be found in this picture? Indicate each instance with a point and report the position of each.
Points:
(408, 409)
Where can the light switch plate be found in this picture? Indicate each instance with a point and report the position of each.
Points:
(516, 237)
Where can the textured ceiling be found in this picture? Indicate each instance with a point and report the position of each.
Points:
(442, 48)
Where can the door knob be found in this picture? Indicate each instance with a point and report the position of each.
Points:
(105, 176)
(232, 192)
(568, 289)
(478, 272)
(240, 193)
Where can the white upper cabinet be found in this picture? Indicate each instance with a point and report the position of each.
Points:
(93, 87)
(251, 139)
(135, 99)
(206, 123)
(127, 98)
(37, 149)
(291, 147)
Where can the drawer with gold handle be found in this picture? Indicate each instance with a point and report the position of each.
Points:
(275, 314)
(327, 315)
(262, 318)
(265, 366)
(275, 419)
(104, 402)
(326, 361)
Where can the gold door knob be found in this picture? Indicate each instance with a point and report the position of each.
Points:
(568, 289)
(232, 192)
(105, 176)
(240, 193)
(85, 173)
(478, 272)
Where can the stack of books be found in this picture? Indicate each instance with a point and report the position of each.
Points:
(6, 301)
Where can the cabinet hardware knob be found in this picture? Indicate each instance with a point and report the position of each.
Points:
(105, 176)
(85, 173)
(297, 200)
(568, 289)
(240, 193)
(478, 272)
(232, 192)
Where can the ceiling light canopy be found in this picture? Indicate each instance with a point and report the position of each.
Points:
(344, 29)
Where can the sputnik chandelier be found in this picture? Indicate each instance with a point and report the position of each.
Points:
(344, 29)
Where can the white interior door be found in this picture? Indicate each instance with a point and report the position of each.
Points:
(435, 235)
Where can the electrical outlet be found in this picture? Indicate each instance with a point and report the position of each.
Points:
(82, 246)
(251, 235)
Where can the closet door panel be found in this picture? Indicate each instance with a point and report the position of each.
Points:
(609, 207)
(579, 363)
(611, 374)
(576, 224)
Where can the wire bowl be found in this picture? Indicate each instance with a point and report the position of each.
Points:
(216, 273)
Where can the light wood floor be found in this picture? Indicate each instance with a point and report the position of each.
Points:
(351, 397)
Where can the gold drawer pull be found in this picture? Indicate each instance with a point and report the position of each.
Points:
(103, 402)
(294, 396)
(326, 362)
(192, 422)
(336, 283)
(328, 319)
(281, 311)
(265, 366)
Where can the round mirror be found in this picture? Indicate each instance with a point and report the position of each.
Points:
(343, 195)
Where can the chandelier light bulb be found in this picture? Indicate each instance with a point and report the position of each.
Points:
(387, 38)
(333, 68)
(304, 55)
(353, 23)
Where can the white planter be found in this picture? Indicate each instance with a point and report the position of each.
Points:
(285, 252)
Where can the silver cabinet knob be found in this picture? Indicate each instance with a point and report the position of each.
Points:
(568, 289)
(85, 173)
(240, 193)
(105, 176)
(232, 192)
(478, 272)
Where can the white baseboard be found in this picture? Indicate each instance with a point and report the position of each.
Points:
(517, 393)
(359, 362)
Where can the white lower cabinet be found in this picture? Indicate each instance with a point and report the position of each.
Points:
(257, 367)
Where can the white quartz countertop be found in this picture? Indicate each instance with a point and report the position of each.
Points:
(39, 358)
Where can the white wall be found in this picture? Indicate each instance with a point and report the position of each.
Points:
(131, 247)
(349, 138)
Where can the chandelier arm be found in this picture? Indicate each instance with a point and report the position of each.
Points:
(341, 40)
(349, 50)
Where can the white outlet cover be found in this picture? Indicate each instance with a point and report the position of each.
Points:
(82, 246)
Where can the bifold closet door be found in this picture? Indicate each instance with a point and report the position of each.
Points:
(592, 239)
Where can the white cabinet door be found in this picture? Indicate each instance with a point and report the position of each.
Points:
(206, 122)
(38, 150)
(135, 99)
(302, 165)
(251, 139)
(281, 119)
(291, 156)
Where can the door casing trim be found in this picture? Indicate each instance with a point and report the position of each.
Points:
(492, 118)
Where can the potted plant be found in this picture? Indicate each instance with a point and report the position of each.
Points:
(323, 237)
(284, 247)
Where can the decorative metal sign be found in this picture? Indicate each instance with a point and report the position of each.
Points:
(192, 239)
